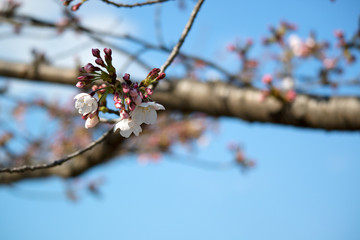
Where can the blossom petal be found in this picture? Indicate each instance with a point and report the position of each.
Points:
(91, 121)
(80, 95)
(125, 133)
(151, 116)
(159, 106)
(137, 130)
(138, 115)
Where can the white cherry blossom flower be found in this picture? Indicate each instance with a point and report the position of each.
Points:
(287, 83)
(85, 103)
(296, 45)
(128, 126)
(146, 112)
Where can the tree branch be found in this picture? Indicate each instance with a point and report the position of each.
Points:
(135, 4)
(99, 154)
(58, 161)
(223, 99)
(181, 40)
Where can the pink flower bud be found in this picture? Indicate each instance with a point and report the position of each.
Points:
(291, 95)
(138, 100)
(92, 120)
(89, 68)
(103, 86)
(118, 104)
(126, 77)
(127, 101)
(84, 78)
(132, 106)
(94, 88)
(100, 62)
(124, 114)
(117, 97)
(267, 79)
(133, 93)
(95, 52)
(136, 85)
(80, 84)
(107, 52)
(231, 47)
(125, 88)
(339, 33)
(108, 59)
(149, 91)
(76, 7)
(161, 76)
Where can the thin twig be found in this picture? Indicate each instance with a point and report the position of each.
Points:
(184, 34)
(58, 161)
(134, 4)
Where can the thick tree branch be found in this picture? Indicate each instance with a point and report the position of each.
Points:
(222, 99)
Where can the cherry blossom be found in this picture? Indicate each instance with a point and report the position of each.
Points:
(128, 126)
(146, 112)
(85, 103)
(287, 83)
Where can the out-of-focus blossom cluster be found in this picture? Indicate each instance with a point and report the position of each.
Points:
(73, 7)
(63, 133)
(8, 9)
(239, 156)
(248, 65)
(132, 99)
(284, 92)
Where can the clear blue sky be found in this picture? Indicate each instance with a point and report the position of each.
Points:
(305, 185)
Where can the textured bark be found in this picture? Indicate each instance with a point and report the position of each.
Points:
(222, 99)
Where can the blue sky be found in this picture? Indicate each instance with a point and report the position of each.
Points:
(305, 184)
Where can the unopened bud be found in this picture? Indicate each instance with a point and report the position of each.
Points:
(100, 62)
(127, 101)
(118, 105)
(94, 88)
(84, 78)
(149, 91)
(132, 106)
(95, 52)
(137, 100)
(76, 7)
(133, 92)
(266, 79)
(161, 76)
(339, 33)
(124, 114)
(125, 88)
(107, 52)
(126, 77)
(80, 84)
(89, 68)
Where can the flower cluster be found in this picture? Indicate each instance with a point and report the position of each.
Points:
(131, 99)
(285, 92)
(345, 45)
(309, 47)
(277, 34)
(73, 7)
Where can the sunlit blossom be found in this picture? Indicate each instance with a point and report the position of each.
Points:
(85, 103)
(146, 112)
